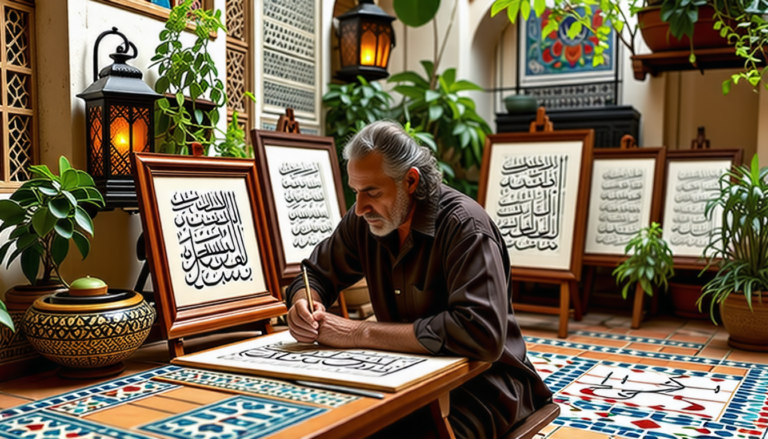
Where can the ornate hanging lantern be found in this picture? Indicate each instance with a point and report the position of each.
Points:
(366, 39)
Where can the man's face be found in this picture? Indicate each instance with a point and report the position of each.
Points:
(381, 201)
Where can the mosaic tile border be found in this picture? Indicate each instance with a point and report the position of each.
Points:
(643, 354)
(258, 386)
(44, 424)
(88, 391)
(634, 339)
(243, 417)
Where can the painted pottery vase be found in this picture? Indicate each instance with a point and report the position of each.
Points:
(16, 354)
(747, 328)
(89, 329)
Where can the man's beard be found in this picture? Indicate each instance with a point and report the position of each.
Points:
(399, 212)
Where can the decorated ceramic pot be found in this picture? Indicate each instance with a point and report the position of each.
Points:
(89, 329)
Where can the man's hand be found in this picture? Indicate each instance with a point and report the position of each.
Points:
(303, 324)
(338, 332)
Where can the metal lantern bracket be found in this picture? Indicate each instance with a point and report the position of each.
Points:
(121, 50)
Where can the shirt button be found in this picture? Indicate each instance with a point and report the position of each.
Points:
(397, 292)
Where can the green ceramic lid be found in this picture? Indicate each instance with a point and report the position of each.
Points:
(87, 283)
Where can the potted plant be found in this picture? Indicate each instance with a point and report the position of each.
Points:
(45, 214)
(649, 265)
(739, 248)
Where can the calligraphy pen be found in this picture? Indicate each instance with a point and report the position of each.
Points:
(306, 289)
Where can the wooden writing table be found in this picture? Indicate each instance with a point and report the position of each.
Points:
(143, 397)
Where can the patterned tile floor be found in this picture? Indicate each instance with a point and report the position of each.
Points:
(673, 378)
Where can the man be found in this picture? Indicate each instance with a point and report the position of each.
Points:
(438, 277)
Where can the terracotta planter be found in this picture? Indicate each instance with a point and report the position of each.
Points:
(90, 335)
(658, 38)
(747, 329)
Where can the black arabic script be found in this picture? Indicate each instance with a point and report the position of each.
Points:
(532, 193)
(308, 212)
(210, 232)
(693, 188)
(619, 205)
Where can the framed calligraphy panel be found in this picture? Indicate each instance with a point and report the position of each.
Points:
(206, 240)
(625, 196)
(303, 197)
(535, 187)
(691, 179)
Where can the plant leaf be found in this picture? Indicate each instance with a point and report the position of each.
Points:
(83, 220)
(59, 249)
(11, 211)
(64, 228)
(415, 13)
(42, 221)
(59, 207)
(82, 243)
(5, 317)
(30, 264)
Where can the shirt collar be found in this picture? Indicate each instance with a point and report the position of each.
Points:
(425, 216)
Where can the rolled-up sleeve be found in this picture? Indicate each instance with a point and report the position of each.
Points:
(475, 322)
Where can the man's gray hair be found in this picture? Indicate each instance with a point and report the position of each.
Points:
(400, 153)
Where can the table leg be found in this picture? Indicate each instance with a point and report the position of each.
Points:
(440, 408)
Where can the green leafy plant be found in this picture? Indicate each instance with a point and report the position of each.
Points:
(434, 103)
(351, 107)
(438, 109)
(234, 144)
(187, 71)
(649, 263)
(739, 247)
(5, 317)
(744, 25)
(46, 213)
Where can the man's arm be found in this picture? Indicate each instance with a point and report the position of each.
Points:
(339, 332)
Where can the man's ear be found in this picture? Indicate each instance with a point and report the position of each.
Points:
(412, 180)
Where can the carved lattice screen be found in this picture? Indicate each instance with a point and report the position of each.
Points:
(239, 61)
(19, 101)
(290, 64)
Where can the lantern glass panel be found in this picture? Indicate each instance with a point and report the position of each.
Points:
(140, 130)
(120, 137)
(385, 43)
(96, 153)
(348, 43)
(368, 45)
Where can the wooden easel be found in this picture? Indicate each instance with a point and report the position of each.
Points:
(568, 288)
(288, 124)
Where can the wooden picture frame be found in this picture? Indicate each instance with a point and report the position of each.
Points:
(625, 196)
(698, 168)
(298, 218)
(564, 159)
(206, 240)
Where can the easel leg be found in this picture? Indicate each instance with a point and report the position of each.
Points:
(440, 408)
(176, 347)
(565, 295)
(574, 290)
(265, 327)
(589, 284)
(637, 308)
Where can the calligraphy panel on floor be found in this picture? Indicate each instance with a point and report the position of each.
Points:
(206, 241)
(691, 179)
(535, 188)
(303, 197)
(625, 196)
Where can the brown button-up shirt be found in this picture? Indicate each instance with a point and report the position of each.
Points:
(450, 278)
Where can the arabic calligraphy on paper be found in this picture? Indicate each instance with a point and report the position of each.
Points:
(620, 205)
(210, 233)
(692, 189)
(304, 195)
(532, 194)
(309, 357)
